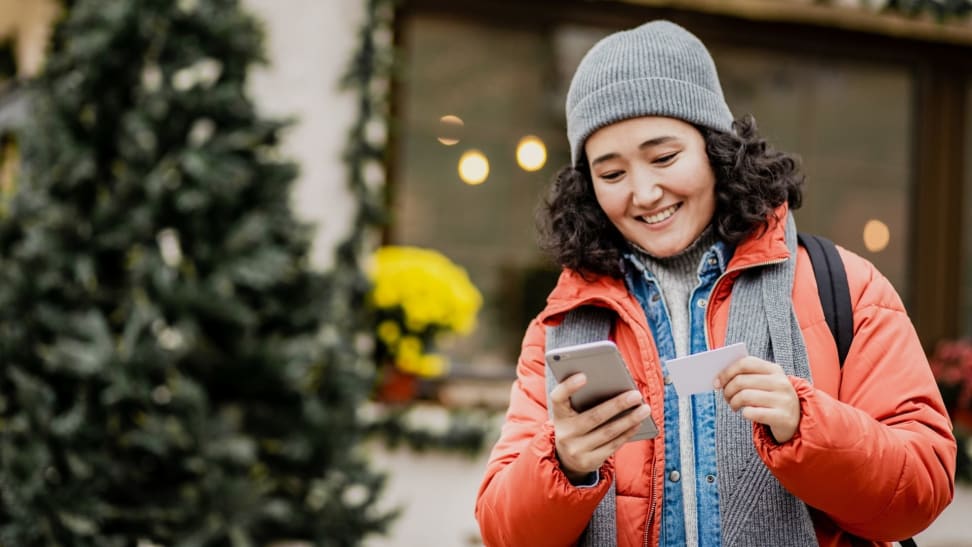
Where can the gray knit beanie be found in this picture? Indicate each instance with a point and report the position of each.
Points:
(657, 69)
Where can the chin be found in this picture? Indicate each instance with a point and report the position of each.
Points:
(665, 250)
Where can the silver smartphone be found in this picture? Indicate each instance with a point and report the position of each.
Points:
(607, 376)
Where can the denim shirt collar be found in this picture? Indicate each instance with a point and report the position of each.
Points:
(713, 262)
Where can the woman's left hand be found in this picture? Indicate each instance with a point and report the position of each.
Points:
(764, 394)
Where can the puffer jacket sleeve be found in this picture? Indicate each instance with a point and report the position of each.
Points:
(879, 459)
(525, 498)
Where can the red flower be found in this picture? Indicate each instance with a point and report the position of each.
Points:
(951, 363)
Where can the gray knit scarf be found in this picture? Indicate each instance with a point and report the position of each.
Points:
(755, 509)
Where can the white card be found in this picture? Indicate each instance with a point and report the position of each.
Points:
(695, 373)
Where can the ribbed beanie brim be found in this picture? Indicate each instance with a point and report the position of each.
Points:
(657, 69)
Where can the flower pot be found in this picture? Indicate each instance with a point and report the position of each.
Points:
(395, 386)
(962, 419)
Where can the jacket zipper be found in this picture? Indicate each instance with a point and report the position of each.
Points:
(651, 508)
(708, 341)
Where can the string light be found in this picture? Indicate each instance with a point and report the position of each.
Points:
(473, 167)
(531, 153)
(876, 235)
(450, 129)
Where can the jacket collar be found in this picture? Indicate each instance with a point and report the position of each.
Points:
(765, 247)
(573, 290)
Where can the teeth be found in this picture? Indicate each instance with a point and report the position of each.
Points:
(658, 217)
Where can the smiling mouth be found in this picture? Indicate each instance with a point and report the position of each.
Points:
(661, 215)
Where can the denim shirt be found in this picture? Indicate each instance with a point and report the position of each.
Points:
(642, 284)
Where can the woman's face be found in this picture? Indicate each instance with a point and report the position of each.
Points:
(653, 180)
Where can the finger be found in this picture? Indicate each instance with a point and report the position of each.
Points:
(588, 430)
(584, 450)
(560, 395)
(612, 436)
(763, 382)
(746, 365)
(621, 424)
(606, 411)
(619, 429)
(615, 441)
(757, 398)
(587, 450)
(763, 415)
(781, 423)
(727, 374)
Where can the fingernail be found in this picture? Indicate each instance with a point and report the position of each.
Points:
(633, 397)
(716, 384)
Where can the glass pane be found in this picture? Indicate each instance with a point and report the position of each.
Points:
(504, 84)
(849, 123)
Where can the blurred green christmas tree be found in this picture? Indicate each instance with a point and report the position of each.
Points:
(172, 370)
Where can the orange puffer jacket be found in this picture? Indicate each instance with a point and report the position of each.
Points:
(874, 456)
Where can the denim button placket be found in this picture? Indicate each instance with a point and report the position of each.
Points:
(643, 286)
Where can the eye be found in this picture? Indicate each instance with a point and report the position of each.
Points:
(666, 159)
(611, 176)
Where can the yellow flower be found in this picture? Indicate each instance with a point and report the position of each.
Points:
(431, 365)
(385, 296)
(389, 331)
(408, 357)
(432, 295)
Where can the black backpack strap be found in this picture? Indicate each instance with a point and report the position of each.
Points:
(834, 292)
(828, 269)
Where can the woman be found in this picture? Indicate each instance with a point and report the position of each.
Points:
(676, 219)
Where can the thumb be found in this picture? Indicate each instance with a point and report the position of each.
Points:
(560, 395)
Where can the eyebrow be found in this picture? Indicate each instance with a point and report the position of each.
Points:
(647, 144)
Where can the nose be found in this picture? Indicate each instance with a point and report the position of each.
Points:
(646, 192)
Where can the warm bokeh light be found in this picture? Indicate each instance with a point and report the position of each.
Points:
(450, 129)
(531, 153)
(473, 167)
(876, 235)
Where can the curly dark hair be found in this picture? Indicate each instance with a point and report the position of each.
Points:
(752, 180)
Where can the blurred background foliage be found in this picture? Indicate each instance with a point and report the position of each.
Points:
(173, 370)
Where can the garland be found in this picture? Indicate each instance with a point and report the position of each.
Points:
(369, 77)
(941, 10)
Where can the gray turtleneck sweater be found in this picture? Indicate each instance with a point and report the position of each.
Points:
(677, 276)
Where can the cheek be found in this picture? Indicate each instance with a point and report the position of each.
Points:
(710, 196)
(611, 199)
(702, 182)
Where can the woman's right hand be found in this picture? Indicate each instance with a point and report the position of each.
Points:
(585, 439)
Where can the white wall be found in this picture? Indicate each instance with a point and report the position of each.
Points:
(309, 43)
(436, 493)
(28, 24)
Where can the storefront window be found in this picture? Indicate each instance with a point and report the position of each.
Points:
(473, 90)
(482, 134)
